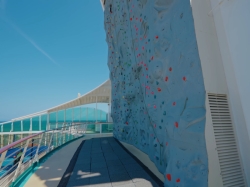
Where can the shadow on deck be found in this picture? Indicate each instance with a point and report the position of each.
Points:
(104, 162)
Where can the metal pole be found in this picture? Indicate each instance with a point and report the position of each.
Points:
(61, 139)
(22, 125)
(56, 120)
(30, 124)
(64, 116)
(21, 160)
(95, 108)
(48, 124)
(36, 159)
(2, 157)
(2, 141)
(87, 114)
(40, 123)
(80, 119)
(50, 141)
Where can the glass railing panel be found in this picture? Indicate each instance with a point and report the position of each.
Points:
(76, 114)
(52, 126)
(90, 129)
(60, 116)
(44, 122)
(69, 115)
(107, 128)
(83, 114)
(35, 123)
(52, 118)
(7, 127)
(17, 126)
(26, 124)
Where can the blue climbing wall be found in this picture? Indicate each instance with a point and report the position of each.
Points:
(158, 95)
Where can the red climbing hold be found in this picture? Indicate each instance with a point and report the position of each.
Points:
(178, 180)
(156, 37)
(168, 176)
(176, 124)
(166, 143)
(127, 123)
(174, 103)
(152, 58)
(170, 69)
(184, 78)
(131, 19)
(159, 89)
(166, 78)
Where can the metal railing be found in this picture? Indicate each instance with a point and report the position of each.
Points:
(18, 156)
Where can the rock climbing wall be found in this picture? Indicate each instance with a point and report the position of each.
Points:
(158, 95)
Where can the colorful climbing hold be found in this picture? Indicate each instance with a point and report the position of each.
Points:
(168, 176)
(178, 180)
(176, 124)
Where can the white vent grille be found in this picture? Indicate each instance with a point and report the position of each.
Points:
(229, 160)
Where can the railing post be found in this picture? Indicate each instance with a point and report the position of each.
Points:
(2, 157)
(50, 141)
(21, 160)
(30, 124)
(70, 130)
(9, 139)
(2, 137)
(40, 123)
(56, 138)
(36, 159)
(22, 125)
(12, 127)
(61, 140)
(100, 128)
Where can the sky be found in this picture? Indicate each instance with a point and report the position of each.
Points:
(49, 52)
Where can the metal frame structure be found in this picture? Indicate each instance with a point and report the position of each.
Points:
(34, 147)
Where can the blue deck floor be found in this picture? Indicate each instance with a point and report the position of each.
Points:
(103, 162)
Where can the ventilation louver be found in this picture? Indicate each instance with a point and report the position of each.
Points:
(231, 170)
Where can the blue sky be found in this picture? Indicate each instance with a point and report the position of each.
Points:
(49, 52)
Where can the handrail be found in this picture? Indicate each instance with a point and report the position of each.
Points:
(28, 137)
(35, 146)
(5, 148)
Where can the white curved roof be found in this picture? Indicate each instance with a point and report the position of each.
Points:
(101, 94)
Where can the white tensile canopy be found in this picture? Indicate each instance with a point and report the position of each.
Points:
(101, 94)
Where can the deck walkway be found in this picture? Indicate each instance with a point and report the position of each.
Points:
(103, 162)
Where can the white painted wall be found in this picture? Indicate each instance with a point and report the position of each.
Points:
(214, 78)
(231, 18)
(223, 35)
